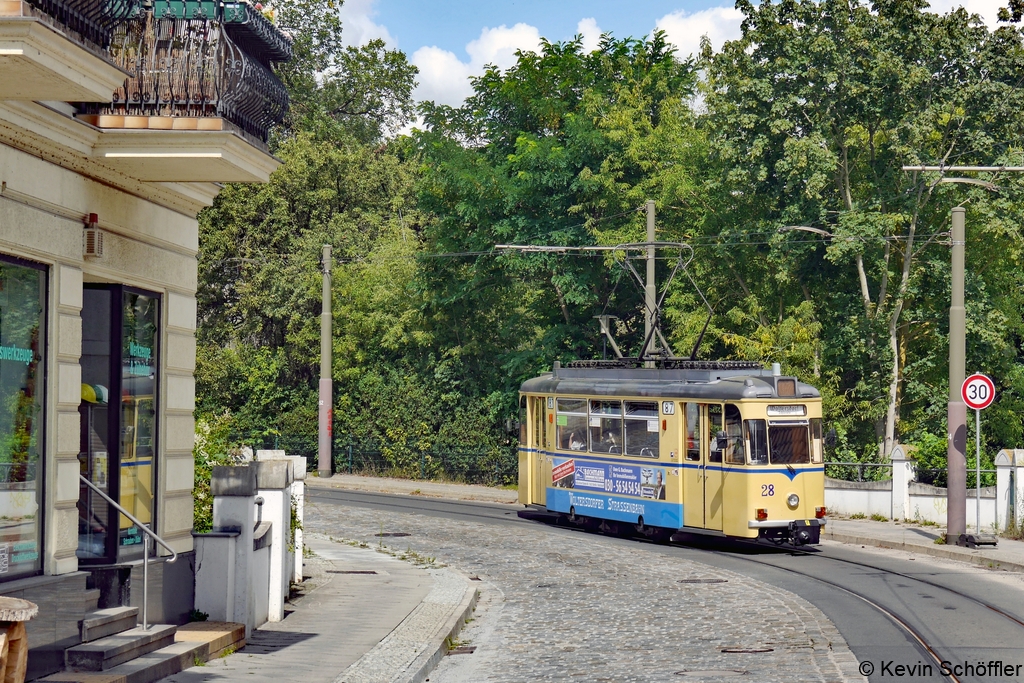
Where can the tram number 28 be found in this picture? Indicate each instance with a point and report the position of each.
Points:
(767, 490)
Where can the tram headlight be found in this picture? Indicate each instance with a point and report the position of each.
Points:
(793, 500)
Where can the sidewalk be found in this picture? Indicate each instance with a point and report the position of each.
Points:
(364, 617)
(907, 536)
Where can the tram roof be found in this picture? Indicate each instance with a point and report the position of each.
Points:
(727, 384)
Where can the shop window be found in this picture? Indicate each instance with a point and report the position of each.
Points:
(120, 362)
(22, 401)
(139, 322)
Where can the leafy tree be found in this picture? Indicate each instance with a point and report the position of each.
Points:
(562, 148)
(810, 117)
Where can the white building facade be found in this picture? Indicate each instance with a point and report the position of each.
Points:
(118, 121)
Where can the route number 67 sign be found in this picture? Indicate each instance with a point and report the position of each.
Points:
(978, 391)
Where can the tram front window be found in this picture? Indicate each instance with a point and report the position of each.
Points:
(756, 434)
(789, 444)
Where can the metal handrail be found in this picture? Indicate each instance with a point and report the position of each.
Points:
(145, 555)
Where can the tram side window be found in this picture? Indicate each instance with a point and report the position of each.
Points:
(788, 444)
(714, 426)
(606, 426)
(816, 439)
(571, 423)
(523, 421)
(693, 432)
(642, 428)
(755, 433)
(733, 431)
(538, 423)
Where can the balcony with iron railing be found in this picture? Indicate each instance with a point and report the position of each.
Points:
(195, 65)
(57, 49)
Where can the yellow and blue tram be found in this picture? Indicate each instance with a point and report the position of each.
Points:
(721, 447)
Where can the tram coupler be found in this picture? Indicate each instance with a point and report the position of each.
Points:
(805, 533)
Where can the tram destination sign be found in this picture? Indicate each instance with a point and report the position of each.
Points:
(978, 391)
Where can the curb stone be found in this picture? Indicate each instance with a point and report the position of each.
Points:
(410, 652)
(947, 552)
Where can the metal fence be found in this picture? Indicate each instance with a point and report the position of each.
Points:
(498, 466)
(881, 471)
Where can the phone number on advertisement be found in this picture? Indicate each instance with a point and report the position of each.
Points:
(630, 488)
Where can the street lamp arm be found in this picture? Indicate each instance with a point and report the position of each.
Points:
(972, 181)
(965, 169)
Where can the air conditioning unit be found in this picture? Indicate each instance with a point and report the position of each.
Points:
(92, 238)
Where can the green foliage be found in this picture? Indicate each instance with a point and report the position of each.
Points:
(212, 448)
(804, 122)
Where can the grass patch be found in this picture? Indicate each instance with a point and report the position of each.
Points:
(879, 518)
(858, 515)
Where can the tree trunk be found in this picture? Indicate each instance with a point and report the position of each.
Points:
(895, 371)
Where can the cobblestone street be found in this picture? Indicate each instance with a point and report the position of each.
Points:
(563, 605)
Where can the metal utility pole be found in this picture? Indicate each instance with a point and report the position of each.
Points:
(956, 416)
(326, 412)
(650, 291)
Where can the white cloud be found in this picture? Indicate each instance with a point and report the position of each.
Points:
(684, 30)
(358, 27)
(988, 9)
(591, 33)
(444, 78)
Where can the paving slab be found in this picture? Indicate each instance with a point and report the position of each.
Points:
(356, 597)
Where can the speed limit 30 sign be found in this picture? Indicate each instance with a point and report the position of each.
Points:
(978, 391)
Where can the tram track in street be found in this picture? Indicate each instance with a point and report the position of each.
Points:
(926, 617)
(926, 648)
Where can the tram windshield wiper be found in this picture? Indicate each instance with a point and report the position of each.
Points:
(792, 470)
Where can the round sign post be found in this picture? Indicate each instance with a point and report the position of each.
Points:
(978, 391)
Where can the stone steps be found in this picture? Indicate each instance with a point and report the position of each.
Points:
(106, 653)
(101, 623)
(194, 643)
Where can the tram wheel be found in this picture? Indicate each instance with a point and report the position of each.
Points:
(640, 528)
(572, 515)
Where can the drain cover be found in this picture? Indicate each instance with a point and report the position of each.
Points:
(703, 581)
(747, 650)
(351, 571)
(714, 673)
(463, 650)
(393, 534)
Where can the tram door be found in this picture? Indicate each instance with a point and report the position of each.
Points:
(713, 470)
(702, 466)
(538, 489)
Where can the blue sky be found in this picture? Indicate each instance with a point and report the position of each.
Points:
(451, 40)
(453, 23)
